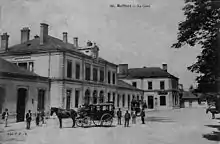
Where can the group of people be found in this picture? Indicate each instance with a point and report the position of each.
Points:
(39, 117)
(129, 116)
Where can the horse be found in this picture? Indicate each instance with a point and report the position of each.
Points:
(63, 113)
(213, 111)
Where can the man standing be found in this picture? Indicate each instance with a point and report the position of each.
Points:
(5, 117)
(142, 116)
(119, 114)
(28, 119)
(133, 115)
(127, 118)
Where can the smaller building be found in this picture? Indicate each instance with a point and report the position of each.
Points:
(22, 90)
(189, 100)
(159, 86)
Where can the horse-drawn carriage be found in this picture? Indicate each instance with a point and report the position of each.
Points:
(98, 114)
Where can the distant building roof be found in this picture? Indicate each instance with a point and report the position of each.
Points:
(189, 95)
(146, 72)
(52, 44)
(12, 70)
(123, 84)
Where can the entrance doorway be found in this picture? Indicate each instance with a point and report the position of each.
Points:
(2, 98)
(21, 102)
(150, 102)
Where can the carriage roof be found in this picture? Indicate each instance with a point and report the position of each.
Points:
(103, 104)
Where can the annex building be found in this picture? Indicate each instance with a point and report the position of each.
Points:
(22, 90)
(160, 88)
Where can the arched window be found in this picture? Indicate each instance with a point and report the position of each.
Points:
(101, 97)
(94, 97)
(87, 96)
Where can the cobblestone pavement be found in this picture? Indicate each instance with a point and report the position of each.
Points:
(180, 126)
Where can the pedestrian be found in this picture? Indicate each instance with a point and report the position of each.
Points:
(5, 117)
(142, 116)
(28, 119)
(127, 118)
(133, 115)
(38, 117)
(119, 115)
(43, 117)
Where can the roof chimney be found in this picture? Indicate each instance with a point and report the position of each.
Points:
(4, 41)
(25, 34)
(164, 67)
(75, 42)
(43, 33)
(65, 37)
(123, 69)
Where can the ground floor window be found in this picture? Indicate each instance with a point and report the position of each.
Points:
(129, 101)
(76, 98)
(109, 97)
(123, 100)
(162, 100)
(118, 99)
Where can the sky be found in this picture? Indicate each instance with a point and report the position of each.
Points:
(135, 36)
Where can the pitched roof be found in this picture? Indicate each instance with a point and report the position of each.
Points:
(52, 44)
(189, 95)
(10, 69)
(123, 84)
(147, 72)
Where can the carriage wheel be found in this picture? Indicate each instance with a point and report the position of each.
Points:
(106, 120)
(96, 122)
(86, 122)
(79, 122)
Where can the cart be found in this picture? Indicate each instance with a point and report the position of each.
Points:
(95, 114)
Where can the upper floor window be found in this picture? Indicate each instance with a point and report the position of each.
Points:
(150, 85)
(102, 75)
(88, 72)
(95, 74)
(113, 78)
(69, 69)
(109, 77)
(77, 71)
(162, 85)
(134, 84)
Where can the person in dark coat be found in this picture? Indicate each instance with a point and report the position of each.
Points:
(119, 115)
(38, 117)
(127, 118)
(5, 117)
(28, 119)
(142, 116)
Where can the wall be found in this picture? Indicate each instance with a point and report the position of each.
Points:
(11, 86)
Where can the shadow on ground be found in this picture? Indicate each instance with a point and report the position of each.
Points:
(158, 119)
(214, 135)
(92, 126)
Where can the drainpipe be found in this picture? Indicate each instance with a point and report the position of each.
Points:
(63, 79)
(49, 80)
